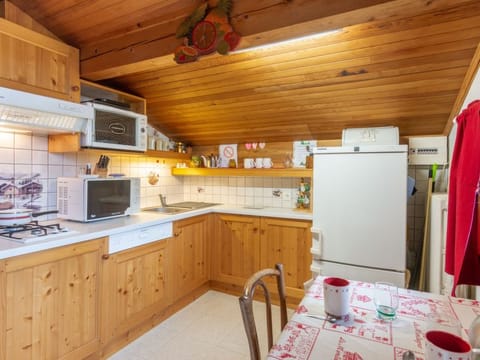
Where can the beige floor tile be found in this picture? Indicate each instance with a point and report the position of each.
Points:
(209, 328)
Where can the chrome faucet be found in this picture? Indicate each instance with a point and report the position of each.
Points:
(163, 200)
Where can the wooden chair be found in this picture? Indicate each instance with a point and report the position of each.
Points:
(246, 307)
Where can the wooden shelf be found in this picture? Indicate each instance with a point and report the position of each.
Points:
(167, 154)
(91, 90)
(242, 172)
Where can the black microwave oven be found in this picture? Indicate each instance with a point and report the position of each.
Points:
(116, 129)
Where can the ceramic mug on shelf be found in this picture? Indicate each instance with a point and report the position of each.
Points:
(336, 292)
(259, 163)
(159, 145)
(267, 163)
(248, 163)
(151, 143)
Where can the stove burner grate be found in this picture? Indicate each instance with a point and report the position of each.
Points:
(33, 228)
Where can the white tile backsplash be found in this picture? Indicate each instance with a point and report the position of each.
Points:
(55, 171)
(39, 157)
(30, 156)
(40, 143)
(23, 141)
(6, 170)
(22, 170)
(241, 191)
(7, 140)
(6, 155)
(23, 156)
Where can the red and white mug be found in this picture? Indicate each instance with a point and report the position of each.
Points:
(336, 292)
(442, 345)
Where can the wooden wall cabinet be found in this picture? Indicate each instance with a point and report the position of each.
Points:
(190, 254)
(245, 244)
(37, 63)
(136, 287)
(51, 303)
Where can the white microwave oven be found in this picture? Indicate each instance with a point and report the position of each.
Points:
(115, 128)
(90, 199)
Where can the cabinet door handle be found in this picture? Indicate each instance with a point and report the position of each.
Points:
(105, 256)
(255, 229)
(177, 234)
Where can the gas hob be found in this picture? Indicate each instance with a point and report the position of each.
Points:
(33, 231)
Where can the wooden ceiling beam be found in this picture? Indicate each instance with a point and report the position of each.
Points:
(259, 23)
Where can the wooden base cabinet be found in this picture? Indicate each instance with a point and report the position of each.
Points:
(246, 244)
(236, 250)
(50, 303)
(190, 254)
(135, 288)
(287, 242)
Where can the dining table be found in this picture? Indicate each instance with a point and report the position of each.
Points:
(360, 334)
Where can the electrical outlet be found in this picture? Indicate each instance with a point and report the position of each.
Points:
(277, 193)
(286, 195)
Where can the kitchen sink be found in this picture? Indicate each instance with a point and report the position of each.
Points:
(180, 207)
(191, 205)
(167, 210)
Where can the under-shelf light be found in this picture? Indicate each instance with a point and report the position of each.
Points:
(11, 130)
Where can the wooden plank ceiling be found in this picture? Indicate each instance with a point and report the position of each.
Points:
(400, 63)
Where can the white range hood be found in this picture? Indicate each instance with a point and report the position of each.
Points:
(41, 114)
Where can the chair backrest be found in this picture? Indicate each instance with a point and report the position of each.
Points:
(246, 306)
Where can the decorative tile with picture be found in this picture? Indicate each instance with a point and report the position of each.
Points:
(21, 191)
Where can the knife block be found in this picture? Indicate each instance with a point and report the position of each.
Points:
(101, 172)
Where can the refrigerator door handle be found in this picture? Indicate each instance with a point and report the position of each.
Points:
(316, 248)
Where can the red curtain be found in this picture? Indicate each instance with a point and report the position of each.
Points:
(462, 258)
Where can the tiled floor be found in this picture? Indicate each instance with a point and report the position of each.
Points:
(209, 328)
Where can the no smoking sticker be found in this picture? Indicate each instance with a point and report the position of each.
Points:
(228, 152)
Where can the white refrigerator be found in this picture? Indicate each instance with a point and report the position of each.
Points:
(360, 212)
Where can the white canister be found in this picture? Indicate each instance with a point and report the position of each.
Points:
(151, 143)
(166, 145)
(267, 163)
(336, 292)
(248, 163)
(259, 163)
(159, 144)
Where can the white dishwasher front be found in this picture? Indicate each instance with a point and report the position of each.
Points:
(133, 238)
